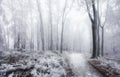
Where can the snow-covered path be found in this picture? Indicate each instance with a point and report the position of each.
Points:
(80, 67)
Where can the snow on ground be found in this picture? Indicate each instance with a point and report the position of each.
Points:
(108, 67)
(45, 64)
(79, 65)
(115, 64)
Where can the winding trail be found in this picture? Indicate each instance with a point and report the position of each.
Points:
(80, 66)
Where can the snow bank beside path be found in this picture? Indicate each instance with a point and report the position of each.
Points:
(45, 64)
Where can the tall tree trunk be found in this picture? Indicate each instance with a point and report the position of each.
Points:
(95, 40)
(51, 25)
(102, 42)
(62, 31)
(41, 25)
(95, 31)
(57, 42)
(62, 27)
(98, 31)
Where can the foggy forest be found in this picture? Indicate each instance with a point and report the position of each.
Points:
(59, 38)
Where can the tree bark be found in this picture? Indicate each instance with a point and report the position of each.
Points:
(61, 47)
(95, 31)
(95, 27)
(102, 43)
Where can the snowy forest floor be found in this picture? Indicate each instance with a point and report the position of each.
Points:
(45, 64)
(32, 64)
(107, 67)
(80, 66)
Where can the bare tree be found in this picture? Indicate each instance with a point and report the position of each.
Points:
(102, 26)
(41, 25)
(96, 23)
(95, 26)
(62, 29)
(64, 14)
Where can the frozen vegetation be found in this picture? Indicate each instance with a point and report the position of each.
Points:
(35, 64)
(107, 67)
(111, 64)
(115, 64)
(45, 64)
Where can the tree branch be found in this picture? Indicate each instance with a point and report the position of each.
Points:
(90, 16)
(105, 15)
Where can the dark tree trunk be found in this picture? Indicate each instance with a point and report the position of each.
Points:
(42, 36)
(95, 40)
(95, 31)
(102, 43)
(61, 47)
(57, 43)
(17, 45)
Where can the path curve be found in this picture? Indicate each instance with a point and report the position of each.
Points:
(80, 66)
